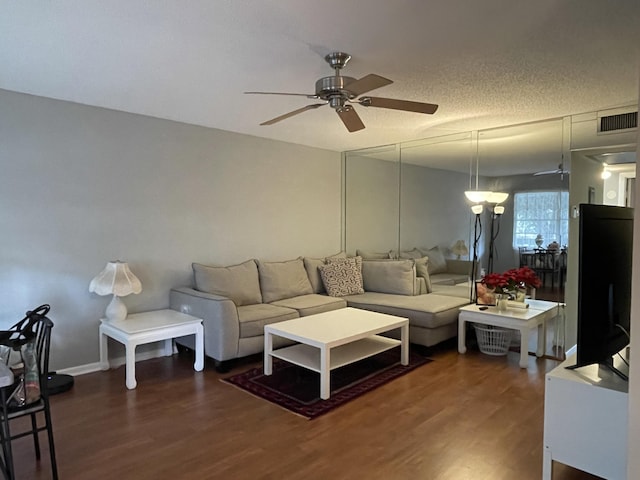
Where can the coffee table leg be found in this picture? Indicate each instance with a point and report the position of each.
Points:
(325, 374)
(404, 345)
(524, 348)
(268, 348)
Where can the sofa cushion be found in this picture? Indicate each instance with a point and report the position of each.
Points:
(448, 278)
(240, 283)
(389, 276)
(415, 253)
(342, 276)
(368, 255)
(312, 264)
(425, 311)
(461, 290)
(437, 262)
(253, 318)
(280, 280)
(422, 270)
(312, 304)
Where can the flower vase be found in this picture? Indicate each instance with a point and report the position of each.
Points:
(521, 294)
(502, 300)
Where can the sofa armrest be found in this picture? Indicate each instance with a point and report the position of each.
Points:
(219, 319)
(459, 267)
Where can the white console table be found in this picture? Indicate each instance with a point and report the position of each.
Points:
(585, 421)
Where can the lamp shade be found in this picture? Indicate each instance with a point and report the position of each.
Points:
(116, 279)
(497, 197)
(459, 248)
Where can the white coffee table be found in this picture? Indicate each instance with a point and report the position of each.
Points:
(537, 315)
(333, 339)
(147, 327)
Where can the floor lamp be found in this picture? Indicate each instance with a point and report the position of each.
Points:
(496, 213)
(477, 233)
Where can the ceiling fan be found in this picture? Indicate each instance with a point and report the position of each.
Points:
(559, 171)
(341, 92)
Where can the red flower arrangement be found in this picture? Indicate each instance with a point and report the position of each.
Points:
(511, 280)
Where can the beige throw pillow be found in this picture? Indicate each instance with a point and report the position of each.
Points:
(238, 282)
(422, 270)
(391, 276)
(280, 280)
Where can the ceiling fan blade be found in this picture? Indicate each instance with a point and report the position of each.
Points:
(560, 170)
(350, 118)
(283, 93)
(291, 114)
(405, 105)
(366, 84)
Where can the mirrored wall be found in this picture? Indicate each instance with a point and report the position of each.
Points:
(411, 194)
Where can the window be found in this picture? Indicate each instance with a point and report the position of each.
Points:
(544, 213)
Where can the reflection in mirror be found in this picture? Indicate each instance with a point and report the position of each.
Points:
(433, 210)
(372, 199)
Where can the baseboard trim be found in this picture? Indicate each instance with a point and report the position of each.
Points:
(113, 362)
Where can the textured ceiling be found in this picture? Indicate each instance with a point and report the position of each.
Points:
(486, 63)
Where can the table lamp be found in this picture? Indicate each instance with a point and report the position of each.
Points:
(459, 248)
(116, 279)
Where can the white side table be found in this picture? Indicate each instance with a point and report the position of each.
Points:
(147, 327)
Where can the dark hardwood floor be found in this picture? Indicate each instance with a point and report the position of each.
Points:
(459, 417)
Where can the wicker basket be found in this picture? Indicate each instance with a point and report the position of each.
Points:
(493, 340)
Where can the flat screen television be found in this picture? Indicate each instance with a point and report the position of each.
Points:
(604, 284)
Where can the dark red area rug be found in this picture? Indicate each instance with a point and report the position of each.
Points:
(298, 389)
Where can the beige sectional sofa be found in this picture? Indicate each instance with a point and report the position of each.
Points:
(236, 302)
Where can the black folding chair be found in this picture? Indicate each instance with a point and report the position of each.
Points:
(41, 327)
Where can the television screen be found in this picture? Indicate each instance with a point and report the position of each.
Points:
(604, 283)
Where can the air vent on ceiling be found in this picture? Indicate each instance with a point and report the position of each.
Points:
(622, 121)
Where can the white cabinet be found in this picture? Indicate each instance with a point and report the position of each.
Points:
(585, 421)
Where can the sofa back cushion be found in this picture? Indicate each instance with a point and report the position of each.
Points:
(342, 276)
(415, 253)
(389, 276)
(280, 280)
(238, 282)
(312, 264)
(437, 262)
(368, 255)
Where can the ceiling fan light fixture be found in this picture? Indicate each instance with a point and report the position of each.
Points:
(497, 197)
(477, 196)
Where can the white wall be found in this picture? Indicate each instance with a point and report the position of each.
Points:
(80, 186)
